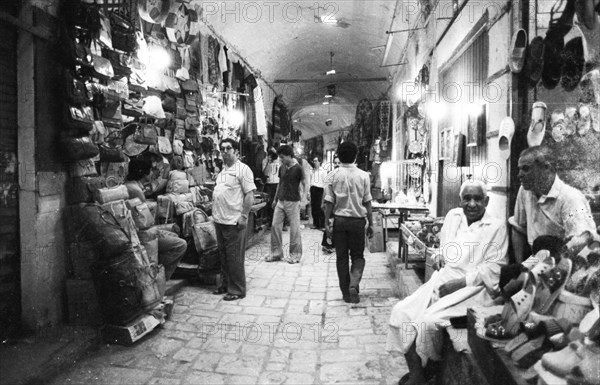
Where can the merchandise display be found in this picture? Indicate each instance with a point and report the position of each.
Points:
(130, 93)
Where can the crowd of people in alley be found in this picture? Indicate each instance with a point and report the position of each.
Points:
(474, 265)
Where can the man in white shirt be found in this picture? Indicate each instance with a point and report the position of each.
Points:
(547, 206)
(473, 249)
(233, 197)
(348, 198)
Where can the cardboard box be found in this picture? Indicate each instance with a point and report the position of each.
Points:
(127, 335)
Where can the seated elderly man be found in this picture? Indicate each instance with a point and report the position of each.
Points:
(473, 248)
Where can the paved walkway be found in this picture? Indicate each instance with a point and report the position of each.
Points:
(292, 328)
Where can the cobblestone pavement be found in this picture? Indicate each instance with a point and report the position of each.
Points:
(292, 328)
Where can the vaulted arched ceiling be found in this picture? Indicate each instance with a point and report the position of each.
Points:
(289, 46)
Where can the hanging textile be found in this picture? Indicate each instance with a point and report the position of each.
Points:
(384, 119)
(214, 76)
(261, 121)
(204, 58)
(222, 59)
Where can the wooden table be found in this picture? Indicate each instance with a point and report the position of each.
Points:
(402, 212)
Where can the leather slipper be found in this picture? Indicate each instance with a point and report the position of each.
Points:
(537, 129)
(557, 123)
(518, 47)
(506, 133)
(553, 47)
(571, 120)
(572, 65)
(585, 120)
(534, 65)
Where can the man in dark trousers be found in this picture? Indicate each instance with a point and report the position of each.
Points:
(348, 198)
(232, 200)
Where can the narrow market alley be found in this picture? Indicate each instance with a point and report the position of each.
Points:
(292, 328)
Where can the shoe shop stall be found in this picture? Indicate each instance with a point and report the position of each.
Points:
(548, 330)
(145, 81)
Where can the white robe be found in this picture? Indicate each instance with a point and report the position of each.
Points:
(476, 253)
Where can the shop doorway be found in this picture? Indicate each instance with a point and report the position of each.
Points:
(462, 81)
(10, 272)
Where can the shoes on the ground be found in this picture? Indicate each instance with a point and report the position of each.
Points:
(220, 290)
(292, 261)
(271, 259)
(233, 297)
(354, 298)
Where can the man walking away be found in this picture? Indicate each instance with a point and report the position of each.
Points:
(348, 198)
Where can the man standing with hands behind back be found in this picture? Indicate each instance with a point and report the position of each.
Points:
(348, 198)
(232, 200)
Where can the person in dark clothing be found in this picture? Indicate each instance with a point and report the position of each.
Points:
(290, 189)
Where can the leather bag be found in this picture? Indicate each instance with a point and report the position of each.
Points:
(100, 227)
(75, 89)
(81, 189)
(102, 67)
(82, 168)
(111, 194)
(79, 118)
(145, 134)
(205, 236)
(164, 145)
(80, 148)
(140, 212)
(123, 34)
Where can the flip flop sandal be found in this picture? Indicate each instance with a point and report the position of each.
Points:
(535, 60)
(517, 309)
(584, 123)
(572, 66)
(545, 263)
(517, 51)
(537, 129)
(571, 120)
(558, 126)
(551, 285)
